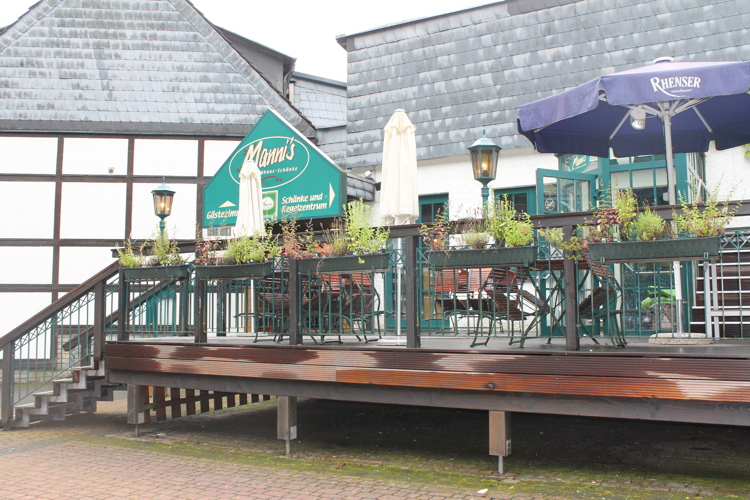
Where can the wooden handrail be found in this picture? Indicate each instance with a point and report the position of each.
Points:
(66, 300)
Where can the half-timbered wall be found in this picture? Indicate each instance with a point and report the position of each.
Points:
(67, 201)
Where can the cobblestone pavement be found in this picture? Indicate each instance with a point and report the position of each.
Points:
(356, 451)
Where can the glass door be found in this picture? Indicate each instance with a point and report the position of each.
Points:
(564, 192)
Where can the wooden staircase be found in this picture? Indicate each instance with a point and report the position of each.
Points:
(68, 396)
(732, 298)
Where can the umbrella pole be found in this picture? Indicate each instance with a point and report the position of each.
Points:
(667, 119)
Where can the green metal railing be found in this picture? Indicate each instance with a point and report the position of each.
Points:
(67, 334)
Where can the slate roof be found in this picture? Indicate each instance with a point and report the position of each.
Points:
(332, 141)
(129, 67)
(322, 100)
(462, 72)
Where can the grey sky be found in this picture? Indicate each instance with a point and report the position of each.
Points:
(302, 29)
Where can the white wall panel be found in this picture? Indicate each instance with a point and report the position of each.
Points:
(165, 157)
(26, 265)
(77, 264)
(27, 209)
(729, 170)
(95, 156)
(28, 155)
(92, 210)
(15, 308)
(215, 154)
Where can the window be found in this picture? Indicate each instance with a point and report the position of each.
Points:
(524, 199)
(431, 206)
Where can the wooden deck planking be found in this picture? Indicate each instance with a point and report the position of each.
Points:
(648, 367)
(676, 378)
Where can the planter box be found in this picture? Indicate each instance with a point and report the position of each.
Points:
(655, 251)
(349, 263)
(157, 273)
(491, 257)
(241, 271)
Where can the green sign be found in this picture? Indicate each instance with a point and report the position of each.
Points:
(297, 178)
(578, 163)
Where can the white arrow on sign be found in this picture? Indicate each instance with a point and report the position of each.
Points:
(331, 194)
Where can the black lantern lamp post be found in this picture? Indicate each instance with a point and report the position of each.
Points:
(484, 155)
(163, 197)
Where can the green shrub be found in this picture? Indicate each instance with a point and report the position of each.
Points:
(262, 246)
(648, 226)
(362, 237)
(709, 220)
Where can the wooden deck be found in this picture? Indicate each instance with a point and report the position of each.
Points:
(678, 383)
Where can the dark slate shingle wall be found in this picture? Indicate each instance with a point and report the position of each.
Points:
(129, 67)
(459, 73)
(323, 104)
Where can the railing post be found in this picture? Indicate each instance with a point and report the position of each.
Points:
(294, 302)
(221, 309)
(184, 301)
(123, 315)
(411, 290)
(199, 317)
(6, 399)
(100, 305)
(571, 296)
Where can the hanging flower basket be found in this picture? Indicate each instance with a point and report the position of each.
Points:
(655, 251)
(490, 257)
(351, 263)
(252, 270)
(157, 273)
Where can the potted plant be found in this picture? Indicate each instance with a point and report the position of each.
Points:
(512, 233)
(244, 257)
(163, 261)
(648, 238)
(365, 245)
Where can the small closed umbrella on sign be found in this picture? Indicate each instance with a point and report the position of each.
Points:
(399, 199)
(250, 213)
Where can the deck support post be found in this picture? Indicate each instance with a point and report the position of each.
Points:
(286, 424)
(571, 296)
(294, 313)
(411, 290)
(136, 412)
(500, 436)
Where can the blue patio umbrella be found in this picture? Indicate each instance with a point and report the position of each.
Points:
(665, 108)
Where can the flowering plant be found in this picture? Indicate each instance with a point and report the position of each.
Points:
(436, 235)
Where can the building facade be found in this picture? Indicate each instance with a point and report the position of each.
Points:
(98, 102)
(464, 72)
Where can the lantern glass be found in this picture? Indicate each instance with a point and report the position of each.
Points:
(163, 203)
(163, 197)
(484, 164)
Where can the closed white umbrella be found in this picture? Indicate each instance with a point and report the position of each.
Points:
(399, 198)
(250, 213)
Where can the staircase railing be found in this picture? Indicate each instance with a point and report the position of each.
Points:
(68, 333)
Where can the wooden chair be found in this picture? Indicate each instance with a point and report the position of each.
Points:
(448, 286)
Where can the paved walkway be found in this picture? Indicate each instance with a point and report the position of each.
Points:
(61, 468)
(384, 452)
(58, 461)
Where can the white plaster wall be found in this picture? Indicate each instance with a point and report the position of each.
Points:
(516, 167)
(730, 171)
